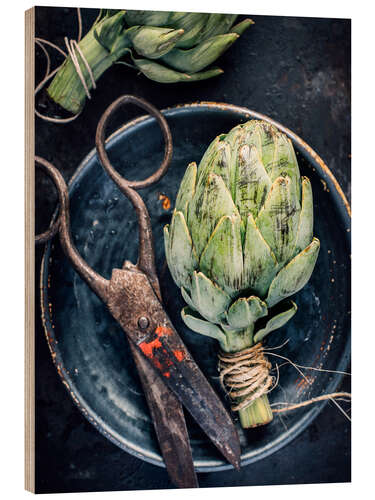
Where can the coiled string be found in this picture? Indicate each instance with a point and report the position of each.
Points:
(245, 376)
(72, 48)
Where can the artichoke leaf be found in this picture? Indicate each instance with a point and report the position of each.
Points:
(253, 138)
(187, 189)
(266, 134)
(181, 256)
(187, 298)
(210, 203)
(109, 30)
(193, 321)
(236, 135)
(192, 23)
(242, 26)
(276, 321)
(166, 242)
(294, 275)
(235, 139)
(153, 42)
(218, 24)
(207, 298)
(202, 55)
(209, 154)
(260, 264)
(147, 17)
(221, 163)
(222, 259)
(217, 161)
(245, 311)
(253, 183)
(159, 73)
(285, 162)
(278, 219)
(306, 219)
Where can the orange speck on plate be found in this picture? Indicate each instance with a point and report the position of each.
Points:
(166, 202)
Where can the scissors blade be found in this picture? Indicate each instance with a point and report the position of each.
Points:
(135, 306)
(169, 422)
(168, 418)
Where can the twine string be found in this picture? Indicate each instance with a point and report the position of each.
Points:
(341, 396)
(246, 375)
(301, 367)
(72, 48)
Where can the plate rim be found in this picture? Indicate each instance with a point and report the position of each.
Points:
(120, 441)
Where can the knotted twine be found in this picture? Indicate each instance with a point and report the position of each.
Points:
(245, 376)
(72, 48)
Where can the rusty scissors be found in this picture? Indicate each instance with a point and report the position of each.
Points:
(170, 378)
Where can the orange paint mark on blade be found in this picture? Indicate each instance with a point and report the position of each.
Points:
(163, 330)
(179, 355)
(167, 361)
(148, 347)
(157, 364)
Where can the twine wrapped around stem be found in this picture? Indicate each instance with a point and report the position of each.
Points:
(71, 46)
(245, 375)
(73, 51)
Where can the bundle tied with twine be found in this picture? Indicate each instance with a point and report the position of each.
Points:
(245, 377)
(166, 47)
(75, 53)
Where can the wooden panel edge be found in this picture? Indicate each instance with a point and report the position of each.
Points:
(29, 252)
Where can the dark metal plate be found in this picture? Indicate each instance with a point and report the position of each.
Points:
(88, 347)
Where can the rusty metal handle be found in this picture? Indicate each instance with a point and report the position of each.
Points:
(146, 259)
(62, 225)
(100, 143)
(49, 234)
(55, 175)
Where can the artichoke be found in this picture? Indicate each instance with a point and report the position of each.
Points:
(241, 241)
(166, 47)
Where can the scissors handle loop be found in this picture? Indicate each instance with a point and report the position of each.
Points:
(146, 259)
(100, 142)
(62, 225)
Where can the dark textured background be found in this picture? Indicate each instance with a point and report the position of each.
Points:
(295, 70)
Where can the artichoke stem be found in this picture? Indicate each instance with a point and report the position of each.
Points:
(237, 340)
(66, 88)
(259, 412)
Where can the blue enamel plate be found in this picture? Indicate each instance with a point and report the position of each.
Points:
(90, 350)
